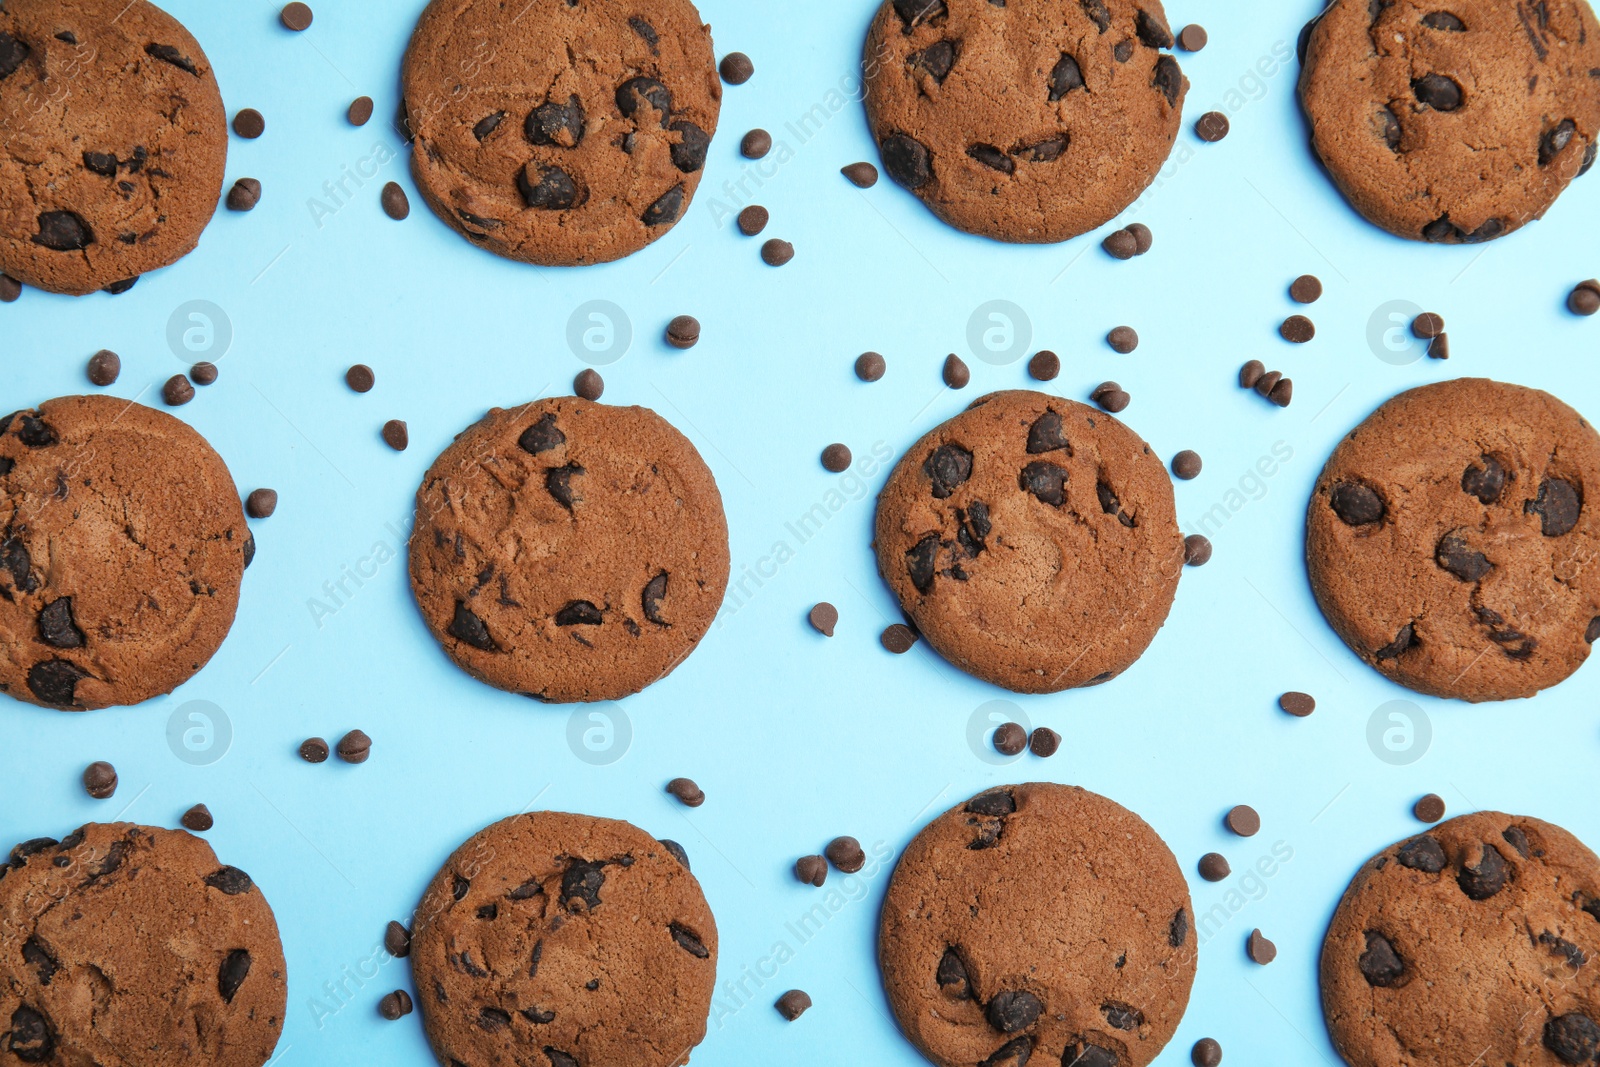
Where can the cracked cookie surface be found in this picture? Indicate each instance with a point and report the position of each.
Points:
(560, 940)
(1029, 122)
(569, 550)
(122, 548)
(1453, 121)
(114, 137)
(556, 132)
(132, 946)
(1038, 923)
(1475, 941)
(1033, 541)
(1452, 543)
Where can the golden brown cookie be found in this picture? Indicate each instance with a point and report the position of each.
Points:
(1451, 542)
(1475, 942)
(113, 141)
(131, 946)
(1026, 121)
(1033, 541)
(560, 133)
(1453, 122)
(1038, 924)
(564, 940)
(569, 550)
(122, 546)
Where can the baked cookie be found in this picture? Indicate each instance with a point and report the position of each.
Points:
(560, 133)
(1473, 942)
(1033, 541)
(1038, 923)
(564, 940)
(1450, 541)
(569, 550)
(1024, 122)
(122, 545)
(114, 142)
(1452, 122)
(131, 946)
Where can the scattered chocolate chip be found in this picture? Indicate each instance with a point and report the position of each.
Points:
(1305, 289)
(1297, 704)
(360, 111)
(10, 289)
(249, 123)
(588, 384)
(1251, 373)
(1211, 127)
(314, 750)
(1206, 1051)
(1111, 397)
(397, 940)
(1123, 339)
(354, 747)
(1186, 464)
(1356, 504)
(1584, 298)
(1439, 347)
(1010, 739)
(1427, 325)
(755, 144)
(836, 458)
(687, 792)
(395, 434)
(861, 175)
(395, 203)
(360, 378)
(198, 819)
(1429, 809)
(1196, 550)
(1044, 366)
(898, 638)
(1297, 328)
(1120, 245)
(775, 253)
(245, 195)
(1259, 949)
(177, 391)
(812, 870)
(870, 366)
(395, 1005)
(1243, 821)
(793, 1004)
(261, 503)
(956, 373)
(1143, 239)
(683, 331)
(753, 219)
(1044, 742)
(296, 16)
(824, 617)
(1012, 1010)
(100, 780)
(1192, 38)
(203, 373)
(104, 366)
(1214, 867)
(846, 854)
(736, 68)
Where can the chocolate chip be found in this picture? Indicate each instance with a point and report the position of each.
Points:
(861, 175)
(12, 54)
(1044, 366)
(823, 618)
(588, 384)
(1168, 79)
(655, 591)
(1046, 481)
(1298, 329)
(683, 331)
(1555, 140)
(687, 792)
(1211, 127)
(245, 195)
(1065, 76)
(870, 366)
(55, 681)
(689, 941)
(579, 613)
(793, 1004)
(1427, 325)
(992, 157)
(314, 750)
(908, 161)
(354, 747)
(1557, 505)
(1437, 91)
(57, 627)
(755, 144)
(1120, 245)
(1186, 464)
(1356, 504)
(1243, 821)
(1123, 339)
(753, 219)
(249, 123)
(1379, 963)
(1404, 639)
(1206, 1051)
(1045, 435)
(1196, 550)
(1192, 38)
(467, 627)
(1487, 878)
(10, 289)
(198, 819)
(898, 638)
(100, 780)
(1011, 1010)
(1429, 809)
(836, 458)
(360, 111)
(1423, 854)
(397, 940)
(736, 68)
(1297, 704)
(1584, 298)
(360, 378)
(1143, 239)
(1259, 949)
(677, 852)
(177, 391)
(1122, 1016)
(947, 467)
(552, 190)
(63, 231)
(395, 1005)
(775, 252)
(230, 881)
(956, 373)
(1044, 742)
(1591, 633)
(542, 436)
(1443, 20)
(1251, 373)
(1111, 397)
(1484, 481)
(488, 124)
(689, 154)
(1306, 289)
(1010, 739)
(1214, 867)
(204, 373)
(296, 16)
(556, 122)
(846, 854)
(1455, 556)
(812, 870)
(395, 203)
(1573, 1037)
(261, 503)
(635, 92)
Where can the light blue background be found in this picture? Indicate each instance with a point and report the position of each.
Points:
(794, 738)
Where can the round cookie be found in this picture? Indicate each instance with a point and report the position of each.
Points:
(560, 133)
(122, 546)
(1472, 942)
(1455, 122)
(1030, 122)
(131, 946)
(119, 175)
(1033, 541)
(567, 940)
(1449, 540)
(1038, 923)
(569, 550)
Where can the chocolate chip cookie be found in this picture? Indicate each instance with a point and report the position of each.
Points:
(560, 133)
(564, 940)
(1038, 923)
(131, 946)
(112, 142)
(122, 546)
(1451, 543)
(1454, 121)
(569, 550)
(1024, 122)
(1033, 542)
(1472, 943)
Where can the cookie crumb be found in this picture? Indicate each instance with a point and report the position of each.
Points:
(824, 617)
